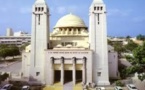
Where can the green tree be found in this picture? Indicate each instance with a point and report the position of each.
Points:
(141, 37)
(119, 83)
(10, 50)
(110, 42)
(24, 46)
(118, 46)
(130, 46)
(138, 62)
(4, 52)
(14, 50)
(139, 54)
(128, 37)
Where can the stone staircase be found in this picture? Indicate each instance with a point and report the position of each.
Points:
(68, 86)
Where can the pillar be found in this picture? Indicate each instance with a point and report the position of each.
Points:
(67, 31)
(74, 70)
(52, 70)
(62, 70)
(72, 30)
(77, 31)
(84, 69)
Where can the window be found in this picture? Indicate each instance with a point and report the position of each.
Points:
(99, 73)
(62, 44)
(79, 31)
(35, 8)
(39, 9)
(98, 8)
(37, 73)
(42, 9)
(101, 8)
(94, 8)
(98, 18)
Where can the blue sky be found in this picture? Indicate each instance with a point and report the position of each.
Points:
(124, 17)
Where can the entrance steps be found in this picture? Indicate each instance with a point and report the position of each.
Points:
(68, 86)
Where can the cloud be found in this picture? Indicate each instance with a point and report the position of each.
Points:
(61, 10)
(25, 10)
(117, 12)
(65, 9)
(3, 9)
(139, 19)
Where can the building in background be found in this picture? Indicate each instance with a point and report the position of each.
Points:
(15, 38)
(9, 32)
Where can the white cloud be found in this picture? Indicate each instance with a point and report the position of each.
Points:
(139, 19)
(61, 10)
(3, 9)
(117, 12)
(64, 10)
(25, 10)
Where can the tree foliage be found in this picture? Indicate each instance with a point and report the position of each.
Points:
(130, 46)
(24, 46)
(138, 62)
(8, 50)
(118, 46)
(119, 83)
(139, 54)
(141, 37)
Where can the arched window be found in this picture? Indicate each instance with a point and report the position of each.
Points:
(101, 8)
(94, 8)
(42, 9)
(39, 9)
(79, 31)
(35, 8)
(98, 8)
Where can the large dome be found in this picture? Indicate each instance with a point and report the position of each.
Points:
(70, 20)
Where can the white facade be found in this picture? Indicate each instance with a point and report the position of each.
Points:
(98, 41)
(70, 52)
(13, 40)
(39, 39)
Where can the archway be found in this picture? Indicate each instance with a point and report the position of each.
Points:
(78, 76)
(68, 76)
(57, 76)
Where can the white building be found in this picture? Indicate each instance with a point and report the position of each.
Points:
(9, 32)
(15, 38)
(70, 52)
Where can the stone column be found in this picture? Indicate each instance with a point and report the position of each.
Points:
(67, 31)
(62, 70)
(52, 70)
(74, 70)
(84, 69)
(72, 30)
(63, 31)
(77, 31)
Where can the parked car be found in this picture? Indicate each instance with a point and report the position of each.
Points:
(118, 88)
(6, 87)
(131, 87)
(26, 87)
(100, 88)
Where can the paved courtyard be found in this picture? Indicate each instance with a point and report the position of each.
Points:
(14, 67)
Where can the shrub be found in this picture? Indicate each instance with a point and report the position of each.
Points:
(119, 83)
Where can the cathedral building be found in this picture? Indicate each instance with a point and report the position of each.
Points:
(72, 52)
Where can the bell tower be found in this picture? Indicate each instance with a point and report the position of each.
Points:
(39, 40)
(98, 42)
